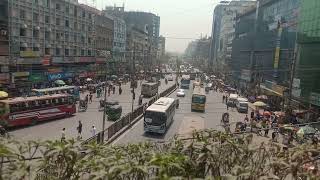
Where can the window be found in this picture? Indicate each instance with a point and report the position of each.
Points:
(58, 21)
(83, 27)
(67, 9)
(58, 6)
(22, 14)
(89, 52)
(57, 36)
(83, 14)
(75, 25)
(35, 17)
(35, 33)
(75, 38)
(74, 51)
(47, 35)
(47, 19)
(89, 28)
(48, 3)
(66, 37)
(75, 11)
(82, 52)
(23, 32)
(36, 1)
(82, 39)
(66, 52)
(47, 51)
(90, 16)
(67, 23)
(89, 40)
(57, 51)
(36, 49)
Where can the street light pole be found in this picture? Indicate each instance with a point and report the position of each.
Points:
(104, 117)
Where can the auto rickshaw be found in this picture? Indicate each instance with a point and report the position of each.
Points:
(83, 105)
(114, 112)
(108, 104)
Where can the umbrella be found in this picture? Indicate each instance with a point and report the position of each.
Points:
(88, 79)
(264, 97)
(306, 130)
(259, 104)
(3, 94)
(60, 82)
(114, 76)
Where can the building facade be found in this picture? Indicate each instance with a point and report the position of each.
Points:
(223, 31)
(263, 48)
(54, 39)
(4, 44)
(161, 48)
(307, 80)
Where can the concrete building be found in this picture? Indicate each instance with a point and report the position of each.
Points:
(137, 47)
(223, 31)
(4, 44)
(161, 48)
(149, 23)
(198, 52)
(119, 36)
(54, 39)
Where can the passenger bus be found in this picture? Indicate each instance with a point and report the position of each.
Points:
(73, 90)
(149, 89)
(185, 82)
(198, 102)
(159, 116)
(22, 111)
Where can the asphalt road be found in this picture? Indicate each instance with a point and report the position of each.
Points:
(185, 121)
(52, 129)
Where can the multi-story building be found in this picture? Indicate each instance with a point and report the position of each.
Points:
(149, 23)
(119, 36)
(137, 47)
(4, 44)
(223, 31)
(198, 52)
(307, 81)
(50, 40)
(161, 47)
(263, 47)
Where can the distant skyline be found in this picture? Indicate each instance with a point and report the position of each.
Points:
(181, 21)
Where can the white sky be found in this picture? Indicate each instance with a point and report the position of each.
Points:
(178, 18)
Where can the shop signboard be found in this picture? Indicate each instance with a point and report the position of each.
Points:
(56, 76)
(21, 74)
(315, 98)
(29, 60)
(86, 59)
(101, 60)
(57, 60)
(36, 78)
(46, 61)
(29, 54)
(54, 70)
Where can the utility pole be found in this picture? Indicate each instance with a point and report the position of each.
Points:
(104, 116)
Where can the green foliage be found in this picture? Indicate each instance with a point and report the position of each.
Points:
(209, 154)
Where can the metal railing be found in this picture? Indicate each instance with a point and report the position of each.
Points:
(127, 119)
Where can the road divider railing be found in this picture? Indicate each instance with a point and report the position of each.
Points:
(127, 120)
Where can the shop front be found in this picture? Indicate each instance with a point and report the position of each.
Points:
(20, 84)
(274, 92)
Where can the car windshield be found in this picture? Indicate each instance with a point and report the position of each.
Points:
(243, 104)
(198, 99)
(155, 118)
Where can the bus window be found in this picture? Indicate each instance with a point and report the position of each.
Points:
(199, 99)
(70, 100)
(60, 101)
(32, 104)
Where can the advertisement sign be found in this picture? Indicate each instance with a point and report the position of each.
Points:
(57, 59)
(56, 76)
(20, 74)
(46, 60)
(315, 98)
(29, 54)
(86, 59)
(37, 78)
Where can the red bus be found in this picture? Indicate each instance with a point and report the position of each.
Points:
(22, 111)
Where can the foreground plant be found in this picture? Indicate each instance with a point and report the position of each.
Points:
(207, 154)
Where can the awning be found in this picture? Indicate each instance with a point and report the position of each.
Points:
(271, 92)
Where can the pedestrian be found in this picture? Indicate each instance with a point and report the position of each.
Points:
(226, 99)
(90, 97)
(252, 115)
(109, 89)
(93, 130)
(79, 128)
(63, 134)
(120, 90)
(140, 99)
(266, 129)
(87, 98)
(113, 89)
(227, 106)
(223, 98)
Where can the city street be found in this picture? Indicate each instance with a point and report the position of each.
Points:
(52, 129)
(185, 121)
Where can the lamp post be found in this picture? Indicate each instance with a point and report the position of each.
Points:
(104, 116)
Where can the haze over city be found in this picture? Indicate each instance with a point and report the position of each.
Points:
(181, 20)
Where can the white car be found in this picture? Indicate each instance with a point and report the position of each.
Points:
(170, 78)
(180, 93)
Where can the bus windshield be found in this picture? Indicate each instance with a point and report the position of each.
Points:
(155, 118)
(198, 99)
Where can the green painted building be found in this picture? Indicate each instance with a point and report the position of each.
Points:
(307, 86)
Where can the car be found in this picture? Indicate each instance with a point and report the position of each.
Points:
(170, 78)
(180, 93)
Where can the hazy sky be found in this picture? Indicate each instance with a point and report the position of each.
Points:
(178, 18)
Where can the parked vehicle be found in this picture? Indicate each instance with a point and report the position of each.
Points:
(242, 105)
(181, 93)
(114, 112)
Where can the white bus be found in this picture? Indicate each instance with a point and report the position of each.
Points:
(149, 89)
(159, 116)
